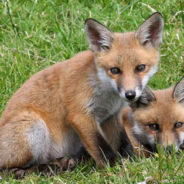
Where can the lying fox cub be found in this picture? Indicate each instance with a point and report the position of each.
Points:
(65, 105)
(157, 117)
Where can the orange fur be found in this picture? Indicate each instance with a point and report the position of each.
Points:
(165, 111)
(64, 103)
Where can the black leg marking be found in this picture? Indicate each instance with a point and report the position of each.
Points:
(105, 150)
(82, 155)
(125, 147)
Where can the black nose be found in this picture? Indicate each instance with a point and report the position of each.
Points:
(182, 146)
(130, 95)
(168, 149)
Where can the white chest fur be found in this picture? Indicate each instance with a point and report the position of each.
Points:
(106, 99)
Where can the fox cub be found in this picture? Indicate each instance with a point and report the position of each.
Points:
(71, 103)
(157, 117)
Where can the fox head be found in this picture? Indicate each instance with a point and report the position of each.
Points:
(126, 61)
(158, 117)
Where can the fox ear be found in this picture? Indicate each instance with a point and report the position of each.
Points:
(99, 37)
(178, 92)
(145, 99)
(150, 32)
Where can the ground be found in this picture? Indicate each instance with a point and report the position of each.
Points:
(35, 34)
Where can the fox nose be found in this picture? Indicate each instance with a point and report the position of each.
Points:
(168, 149)
(182, 146)
(130, 95)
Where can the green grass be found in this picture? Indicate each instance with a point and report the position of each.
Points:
(35, 34)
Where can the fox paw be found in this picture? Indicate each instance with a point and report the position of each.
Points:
(52, 168)
(57, 166)
(20, 173)
(64, 164)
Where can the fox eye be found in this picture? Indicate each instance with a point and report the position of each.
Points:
(115, 70)
(178, 124)
(154, 126)
(140, 68)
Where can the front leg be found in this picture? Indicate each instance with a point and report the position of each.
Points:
(125, 147)
(92, 139)
(117, 137)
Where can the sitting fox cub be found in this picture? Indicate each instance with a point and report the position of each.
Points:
(157, 117)
(65, 105)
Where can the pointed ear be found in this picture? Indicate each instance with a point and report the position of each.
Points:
(144, 100)
(150, 32)
(99, 37)
(178, 92)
